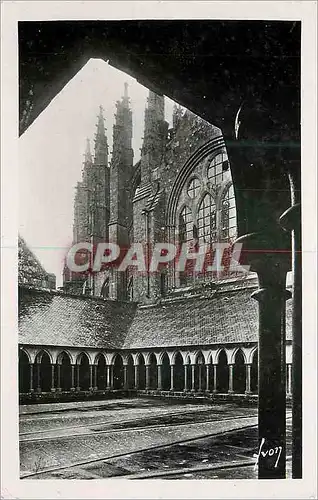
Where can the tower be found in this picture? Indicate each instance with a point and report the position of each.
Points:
(121, 170)
(148, 202)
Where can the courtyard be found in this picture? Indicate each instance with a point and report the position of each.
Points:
(142, 437)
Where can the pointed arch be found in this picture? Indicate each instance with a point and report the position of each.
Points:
(177, 360)
(24, 371)
(222, 370)
(118, 371)
(41, 353)
(61, 355)
(239, 372)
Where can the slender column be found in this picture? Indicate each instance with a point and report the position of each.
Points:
(215, 377)
(125, 377)
(231, 378)
(31, 377)
(95, 377)
(108, 376)
(248, 378)
(147, 377)
(38, 378)
(111, 376)
(207, 385)
(159, 371)
(171, 377)
(52, 378)
(90, 377)
(200, 378)
(192, 378)
(78, 387)
(72, 377)
(136, 377)
(185, 377)
(272, 379)
(289, 379)
(59, 377)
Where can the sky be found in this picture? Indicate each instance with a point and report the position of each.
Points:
(51, 155)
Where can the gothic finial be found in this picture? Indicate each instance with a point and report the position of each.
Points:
(126, 90)
(101, 147)
(88, 154)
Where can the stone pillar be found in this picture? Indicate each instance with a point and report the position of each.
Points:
(111, 376)
(59, 377)
(95, 377)
(125, 377)
(231, 378)
(31, 377)
(107, 376)
(291, 221)
(147, 377)
(52, 378)
(271, 298)
(185, 377)
(215, 377)
(38, 377)
(248, 379)
(90, 377)
(200, 378)
(171, 377)
(78, 387)
(72, 377)
(192, 378)
(136, 367)
(207, 387)
(159, 371)
(289, 379)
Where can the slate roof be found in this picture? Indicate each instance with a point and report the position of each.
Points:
(225, 317)
(54, 318)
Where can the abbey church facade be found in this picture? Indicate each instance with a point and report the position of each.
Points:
(170, 331)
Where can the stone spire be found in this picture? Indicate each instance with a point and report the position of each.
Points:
(120, 188)
(88, 154)
(155, 136)
(101, 146)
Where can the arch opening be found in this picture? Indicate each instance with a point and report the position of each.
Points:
(153, 372)
(101, 373)
(178, 372)
(166, 372)
(222, 373)
(239, 373)
(24, 372)
(84, 373)
(118, 375)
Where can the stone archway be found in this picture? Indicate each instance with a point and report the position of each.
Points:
(43, 372)
(83, 381)
(64, 379)
(101, 373)
(130, 372)
(141, 372)
(199, 373)
(239, 373)
(24, 372)
(222, 370)
(178, 372)
(153, 372)
(166, 372)
(118, 373)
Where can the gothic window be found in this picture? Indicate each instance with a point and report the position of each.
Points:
(207, 220)
(228, 216)
(185, 225)
(194, 188)
(217, 167)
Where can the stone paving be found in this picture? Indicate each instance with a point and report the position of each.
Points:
(137, 436)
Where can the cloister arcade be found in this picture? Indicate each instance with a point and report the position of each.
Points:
(221, 370)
